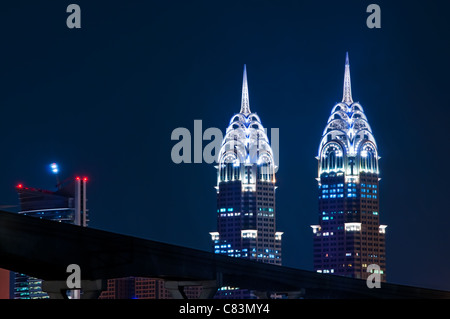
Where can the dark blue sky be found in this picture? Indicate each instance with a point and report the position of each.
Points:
(103, 100)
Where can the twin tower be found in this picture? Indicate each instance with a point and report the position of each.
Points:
(348, 237)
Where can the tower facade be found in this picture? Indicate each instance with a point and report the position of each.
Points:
(246, 211)
(349, 236)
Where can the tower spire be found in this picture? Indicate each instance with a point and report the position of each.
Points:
(245, 104)
(347, 96)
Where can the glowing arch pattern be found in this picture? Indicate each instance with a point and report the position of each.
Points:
(245, 146)
(347, 133)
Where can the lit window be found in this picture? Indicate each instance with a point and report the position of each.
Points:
(350, 227)
(249, 233)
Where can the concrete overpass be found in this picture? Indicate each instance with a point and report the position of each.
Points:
(44, 249)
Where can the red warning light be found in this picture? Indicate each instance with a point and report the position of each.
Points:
(78, 178)
(20, 186)
(85, 179)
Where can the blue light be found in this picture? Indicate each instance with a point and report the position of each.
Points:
(54, 168)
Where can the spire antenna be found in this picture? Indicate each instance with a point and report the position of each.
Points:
(347, 96)
(245, 104)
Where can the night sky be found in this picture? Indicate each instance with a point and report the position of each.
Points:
(103, 100)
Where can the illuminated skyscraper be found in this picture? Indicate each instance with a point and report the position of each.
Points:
(349, 236)
(246, 190)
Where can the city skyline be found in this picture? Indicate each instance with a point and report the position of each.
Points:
(103, 102)
(67, 204)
